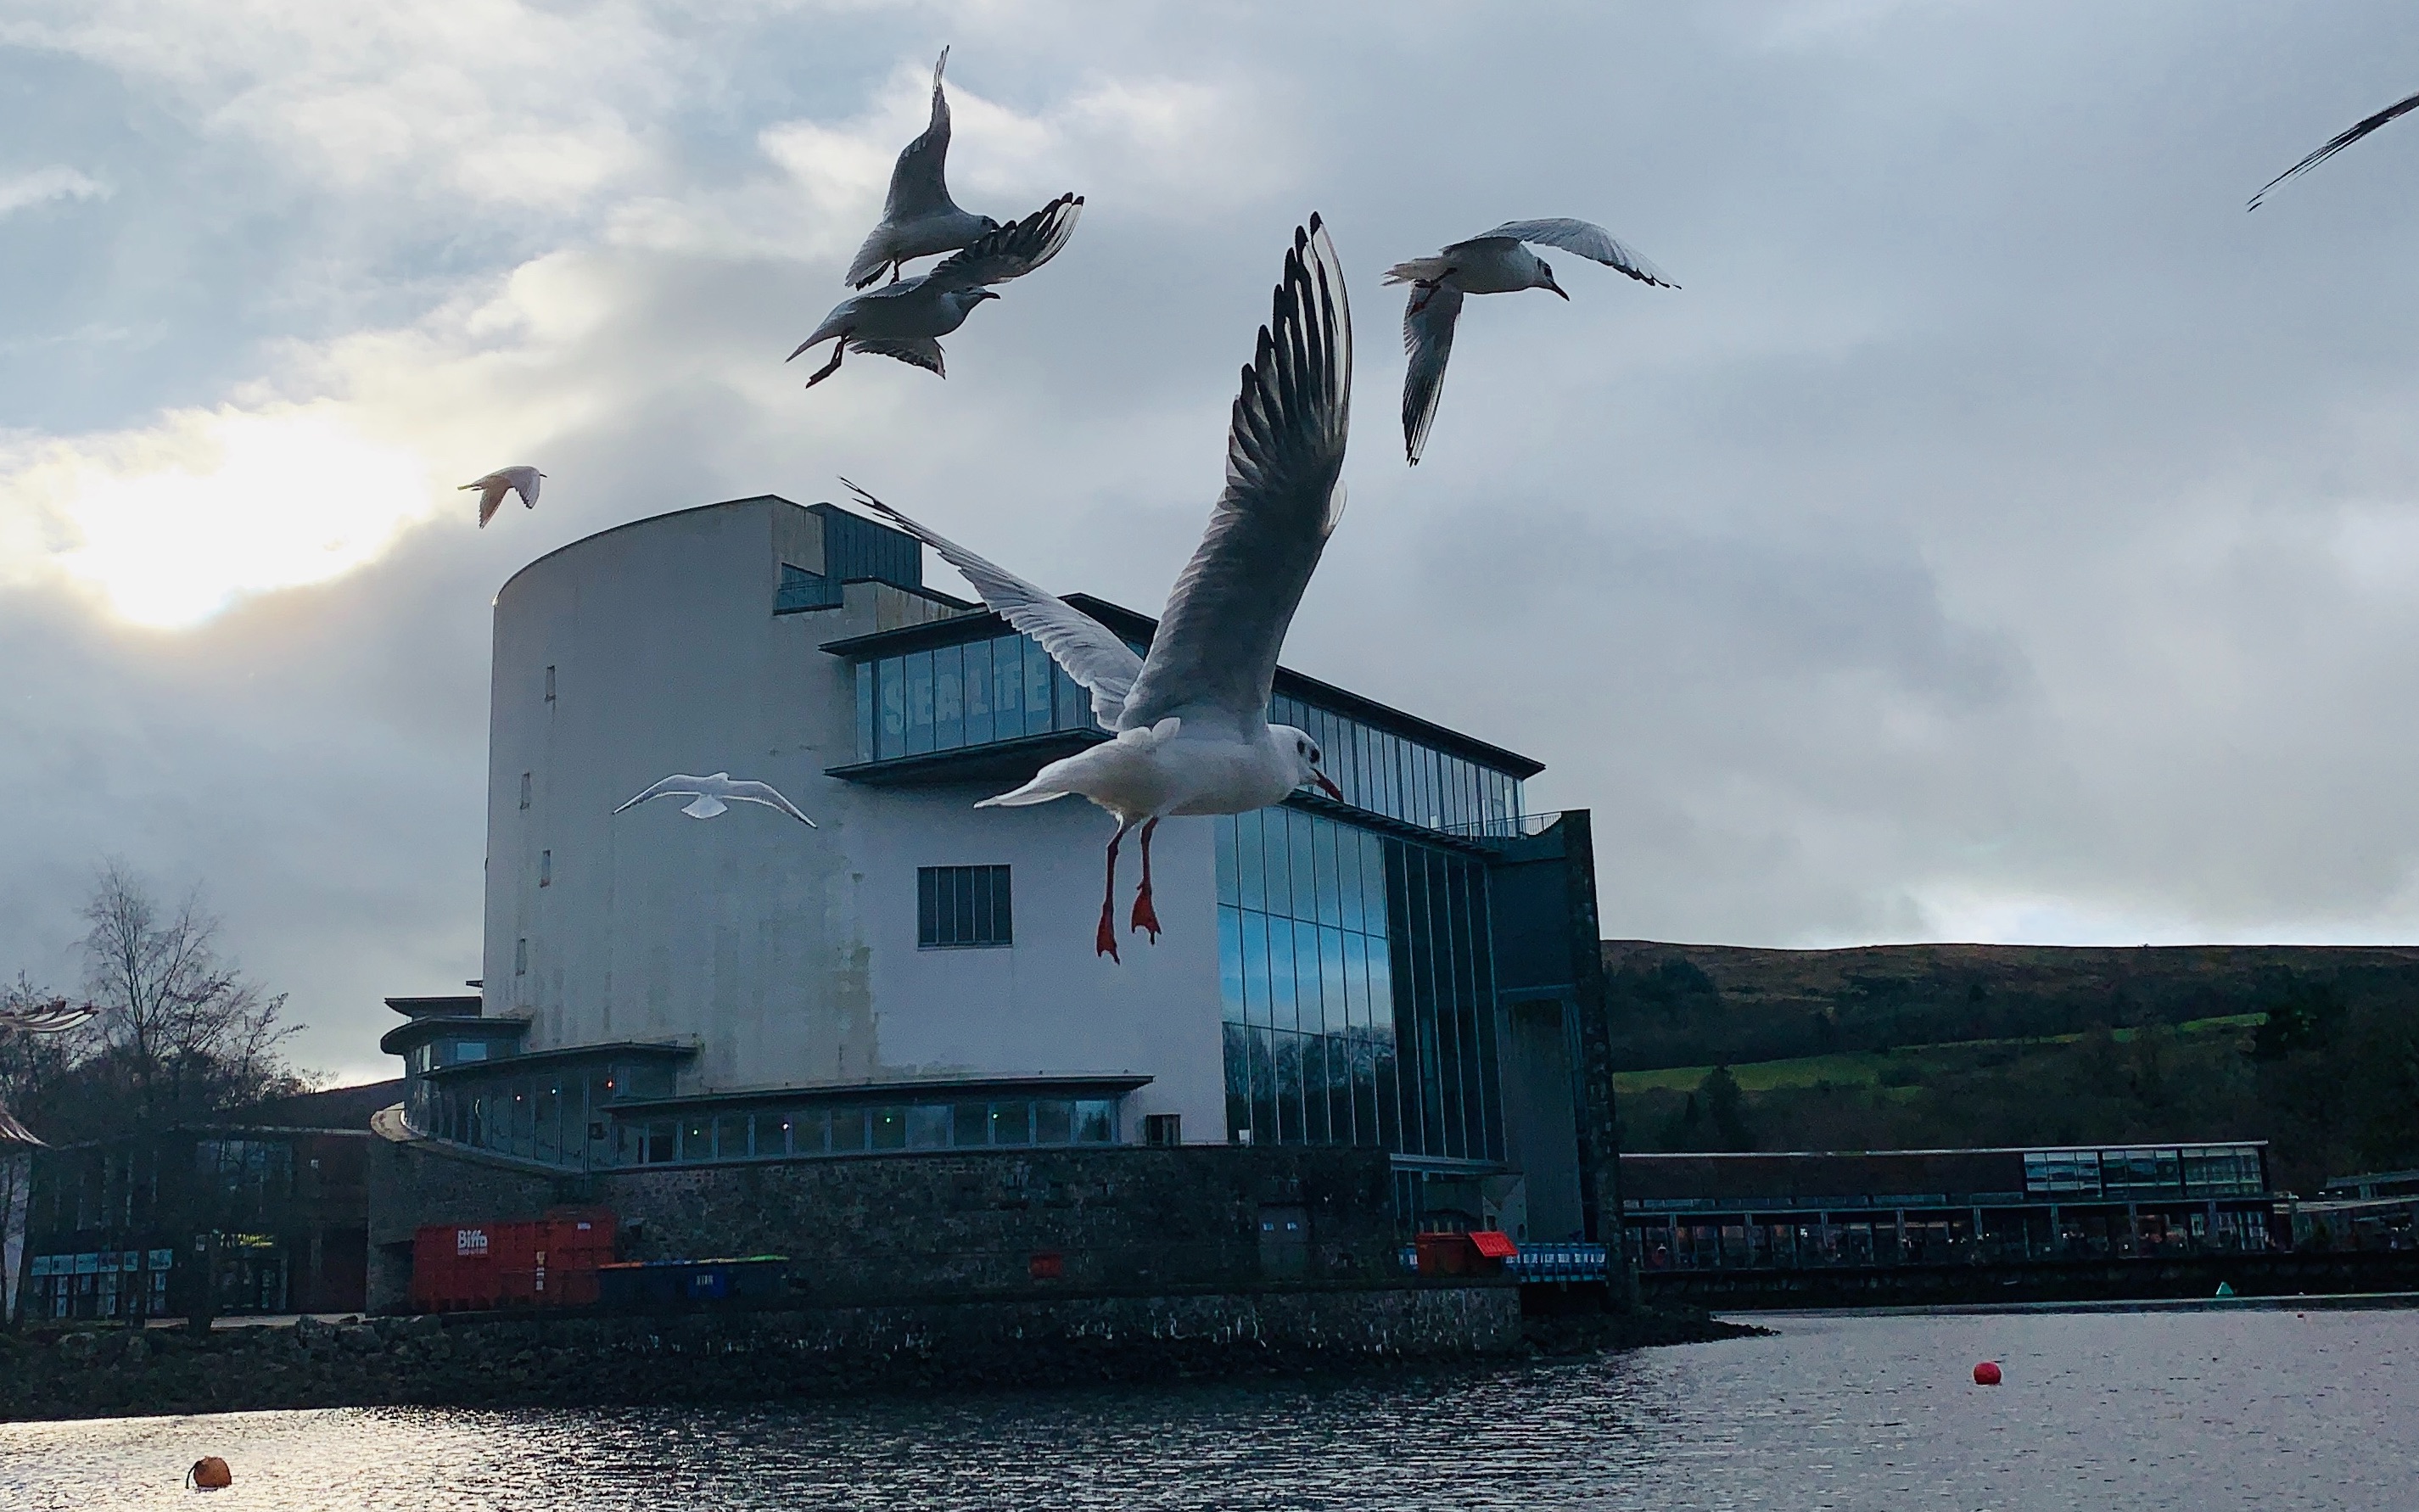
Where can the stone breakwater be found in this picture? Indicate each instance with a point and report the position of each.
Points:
(486, 1361)
(474, 1360)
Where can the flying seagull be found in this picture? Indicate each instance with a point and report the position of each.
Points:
(2336, 144)
(1496, 263)
(1193, 735)
(919, 218)
(906, 319)
(707, 795)
(492, 489)
(56, 1016)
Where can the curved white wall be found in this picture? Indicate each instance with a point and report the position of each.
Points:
(788, 955)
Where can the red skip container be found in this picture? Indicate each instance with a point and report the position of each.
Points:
(546, 1262)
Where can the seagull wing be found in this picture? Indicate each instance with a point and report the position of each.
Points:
(1428, 319)
(1088, 650)
(525, 483)
(1012, 251)
(492, 490)
(919, 185)
(1215, 655)
(765, 794)
(678, 785)
(1588, 240)
(917, 351)
(2336, 144)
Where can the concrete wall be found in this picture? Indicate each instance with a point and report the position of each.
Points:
(789, 955)
(882, 1227)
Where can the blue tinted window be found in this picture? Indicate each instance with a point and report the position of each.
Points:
(948, 697)
(919, 703)
(978, 696)
(1230, 963)
(1281, 990)
(1222, 844)
(865, 710)
(891, 675)
(1038, 675)
(1008, 686)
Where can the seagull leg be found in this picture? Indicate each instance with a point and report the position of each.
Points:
(1145, 916)
(894, 273)
(839, 349)
(1106, 942)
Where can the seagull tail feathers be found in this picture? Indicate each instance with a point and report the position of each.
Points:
(1026, 796)
(1418, 270)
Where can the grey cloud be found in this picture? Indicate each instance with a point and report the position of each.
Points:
(1997, 515)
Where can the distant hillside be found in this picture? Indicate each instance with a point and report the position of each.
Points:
(2313, 1048)
(1699, 1004)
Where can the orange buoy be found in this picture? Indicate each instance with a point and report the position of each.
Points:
(1987, 1373)
(209, 1473)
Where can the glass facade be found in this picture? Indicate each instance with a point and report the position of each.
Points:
(857, 1128)
(2150, 1173)
(979, 693)
(1357, 976)
(1007, 688)
(1403, 779)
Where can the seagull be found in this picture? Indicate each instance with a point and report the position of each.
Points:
(905, 319)
(2336, 144)
(56, 1016)
(918, 217)
(1496, 263)
(492, 489)
(708, 792)
(1193, 735)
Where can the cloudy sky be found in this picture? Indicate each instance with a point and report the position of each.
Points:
(2001, 536)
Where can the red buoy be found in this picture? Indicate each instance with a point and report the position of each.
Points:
(1987, 1373)
(209, 1473)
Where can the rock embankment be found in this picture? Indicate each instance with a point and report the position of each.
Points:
(491, 1360)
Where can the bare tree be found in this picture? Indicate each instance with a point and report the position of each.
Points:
(180, 1032)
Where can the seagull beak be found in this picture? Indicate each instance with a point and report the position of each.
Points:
(1557, 288)
(1326, 787)
(985, 293)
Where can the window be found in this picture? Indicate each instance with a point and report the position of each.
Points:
(550, 684)
(961, 906)
(546, 868)
(520, 958)
(1162, 1129)
(525, 790)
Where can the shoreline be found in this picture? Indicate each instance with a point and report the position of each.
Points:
(471, 1360)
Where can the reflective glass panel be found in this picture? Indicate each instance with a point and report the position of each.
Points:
(919, 703)
(978, 698)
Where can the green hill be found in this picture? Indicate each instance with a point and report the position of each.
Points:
(2315, 1048)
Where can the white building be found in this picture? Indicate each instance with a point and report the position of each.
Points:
(1405, 970)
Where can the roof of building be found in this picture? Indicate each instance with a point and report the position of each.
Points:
(337, 1107)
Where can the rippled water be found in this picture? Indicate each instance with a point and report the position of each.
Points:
(2127, 1409)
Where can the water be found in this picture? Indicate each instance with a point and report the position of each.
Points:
(2195, 1410)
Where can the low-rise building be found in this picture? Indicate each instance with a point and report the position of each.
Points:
(261, 1212)
(1919, 1206)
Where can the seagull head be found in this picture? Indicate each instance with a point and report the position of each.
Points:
(966, 299)
(1306, 759)
(989, 225)
(1546, 277)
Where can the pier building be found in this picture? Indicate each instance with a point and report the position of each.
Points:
(1407, 980)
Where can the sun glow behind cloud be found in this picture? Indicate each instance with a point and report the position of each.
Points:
(172, 523)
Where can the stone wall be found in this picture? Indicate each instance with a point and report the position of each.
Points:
(870, 1228)
(471, 1359)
